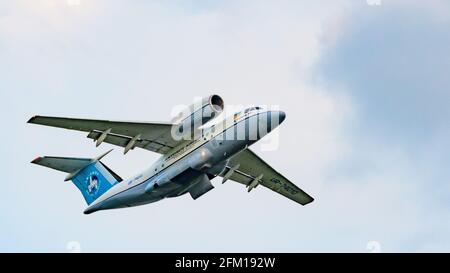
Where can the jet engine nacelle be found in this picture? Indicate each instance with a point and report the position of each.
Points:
(196, 115)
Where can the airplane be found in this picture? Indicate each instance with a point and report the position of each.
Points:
(192, 153)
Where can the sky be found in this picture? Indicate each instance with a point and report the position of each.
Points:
(364, 85)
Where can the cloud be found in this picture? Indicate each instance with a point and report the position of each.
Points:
(392, 60)
(135, 61)
(369, 172)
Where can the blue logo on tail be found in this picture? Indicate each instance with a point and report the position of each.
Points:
(92, 183)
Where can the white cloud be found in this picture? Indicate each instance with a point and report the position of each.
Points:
(107, 59)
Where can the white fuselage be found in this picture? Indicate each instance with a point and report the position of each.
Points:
(208, 152)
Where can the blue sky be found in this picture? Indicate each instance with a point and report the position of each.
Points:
(364, 87)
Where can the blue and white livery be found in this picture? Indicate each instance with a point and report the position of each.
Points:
(191, 155)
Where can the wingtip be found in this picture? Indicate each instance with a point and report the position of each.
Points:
(36, 160)
(89, 210)
(309, 201)
(31, 120)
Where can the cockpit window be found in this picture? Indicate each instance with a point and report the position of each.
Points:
(252, 109)
(241, 114)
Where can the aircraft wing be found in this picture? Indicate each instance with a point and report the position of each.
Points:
(155, 137)
(251, 171)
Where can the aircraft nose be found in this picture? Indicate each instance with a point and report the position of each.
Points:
(274, 119)
(281, 116)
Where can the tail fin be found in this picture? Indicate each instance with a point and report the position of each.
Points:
(91, 176)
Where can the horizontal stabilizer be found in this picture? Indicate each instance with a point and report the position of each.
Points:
(90, 175)
(69, 165)
(63, 164)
